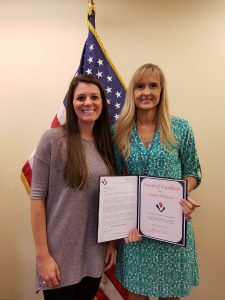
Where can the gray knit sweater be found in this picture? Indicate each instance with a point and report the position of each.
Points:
(71, 214)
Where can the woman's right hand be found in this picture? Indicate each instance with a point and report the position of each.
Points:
(133, 236)
(48, 271)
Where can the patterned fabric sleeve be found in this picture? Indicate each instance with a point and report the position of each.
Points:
(188, 153)
(41, 168)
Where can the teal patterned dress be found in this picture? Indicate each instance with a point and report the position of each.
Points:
(150, 267)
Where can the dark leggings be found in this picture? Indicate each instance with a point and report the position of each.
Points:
(86, 289)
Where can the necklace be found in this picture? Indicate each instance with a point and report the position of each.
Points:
(145, 162)
(146, 136)
(146, 140)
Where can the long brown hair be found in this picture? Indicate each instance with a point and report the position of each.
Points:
(76, 171)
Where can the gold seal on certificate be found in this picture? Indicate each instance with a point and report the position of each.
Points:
(149, 203)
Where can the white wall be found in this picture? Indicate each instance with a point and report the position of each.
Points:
(40, 47)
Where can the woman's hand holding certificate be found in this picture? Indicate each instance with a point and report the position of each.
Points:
(133, 236)
(188, 206)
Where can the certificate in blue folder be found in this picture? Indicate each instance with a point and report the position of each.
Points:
(152, 204)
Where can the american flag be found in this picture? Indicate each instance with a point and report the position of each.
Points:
(95, 61)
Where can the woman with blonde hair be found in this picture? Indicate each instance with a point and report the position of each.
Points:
(151, 142)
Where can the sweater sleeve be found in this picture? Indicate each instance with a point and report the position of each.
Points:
(41, 168)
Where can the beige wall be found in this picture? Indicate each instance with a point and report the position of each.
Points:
(40, 47)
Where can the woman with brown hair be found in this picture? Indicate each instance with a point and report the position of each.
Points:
(151, 142)
(64, 196)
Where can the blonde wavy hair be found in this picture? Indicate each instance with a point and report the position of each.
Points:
(127, 118)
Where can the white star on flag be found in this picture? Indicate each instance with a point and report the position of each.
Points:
(109, 78)
(116, 116)
(100, 62)
(108, 90)
(90, 59)
(117, 105)
(89, 71)
(108, 100)
(99, 74)
(91, 47)
(118, 95)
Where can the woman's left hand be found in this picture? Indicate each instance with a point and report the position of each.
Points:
(110, 255)
(188, 206)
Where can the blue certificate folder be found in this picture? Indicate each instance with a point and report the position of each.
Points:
(151, 204)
